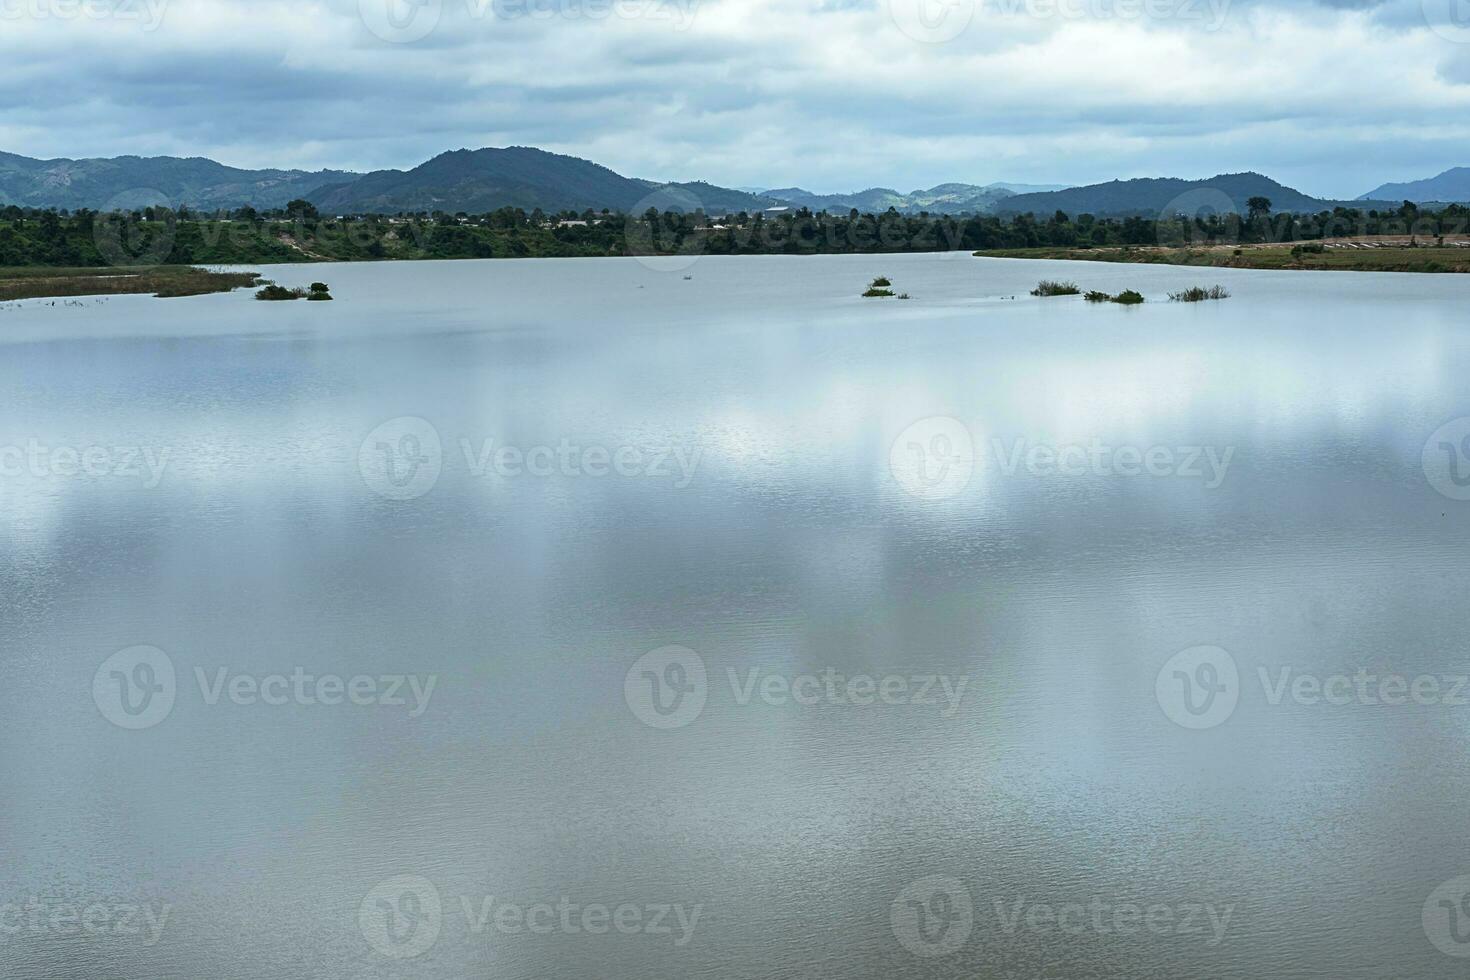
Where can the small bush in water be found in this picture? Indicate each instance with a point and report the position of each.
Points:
(1048, 287)
(273, 292)
(1196, 293)
(1127, 297)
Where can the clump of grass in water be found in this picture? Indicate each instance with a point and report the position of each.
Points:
(1049, 287)
(271, 291)
(1196, 293)
(875, 291)
(1127, 297)
(881, 282)
(274, 292)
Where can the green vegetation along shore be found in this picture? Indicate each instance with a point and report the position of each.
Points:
(298, 233)
(31, 282)
(1388, 258)
(158, 246)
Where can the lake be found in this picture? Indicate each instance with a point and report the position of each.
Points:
(575, 618)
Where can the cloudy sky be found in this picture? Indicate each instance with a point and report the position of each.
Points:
(1330, 96)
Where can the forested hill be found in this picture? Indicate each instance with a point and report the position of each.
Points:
(120, 183)
(1452, 185)
(1152, 196)
(520, 177)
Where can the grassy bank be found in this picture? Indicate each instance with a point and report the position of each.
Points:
(1392, 258)
(32, 282)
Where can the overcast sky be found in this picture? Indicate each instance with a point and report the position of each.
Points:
(832, 95)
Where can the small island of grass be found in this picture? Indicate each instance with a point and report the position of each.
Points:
(1195, 294)
(879, 287)
(1365, 254)
(1127, 297)
(1050, 287)
(274, 292)
(33, 282)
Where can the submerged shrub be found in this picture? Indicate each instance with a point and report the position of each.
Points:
(271, 291)
(1049, 287)
(875, 291)
(1196, 293)
(880, 282)
(1127, 297)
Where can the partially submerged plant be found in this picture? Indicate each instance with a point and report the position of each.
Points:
(1050, 287)
(1127, 297)
(1196, 293)
(271, 291)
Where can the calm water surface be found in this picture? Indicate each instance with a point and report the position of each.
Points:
(280, 517)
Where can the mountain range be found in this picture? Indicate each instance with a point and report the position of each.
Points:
(485, 179)
(459, 180)
(1155, 195)
(523, 177)
(131, 182)
(1452, 185)
(944, 198)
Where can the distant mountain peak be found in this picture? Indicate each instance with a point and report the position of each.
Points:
(1450, 185)
(1154, 195)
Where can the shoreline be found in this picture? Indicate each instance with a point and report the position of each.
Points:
(162, 281)
(168, 281)
(1350, 255)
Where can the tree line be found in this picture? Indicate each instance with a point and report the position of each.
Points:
(297, 232)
